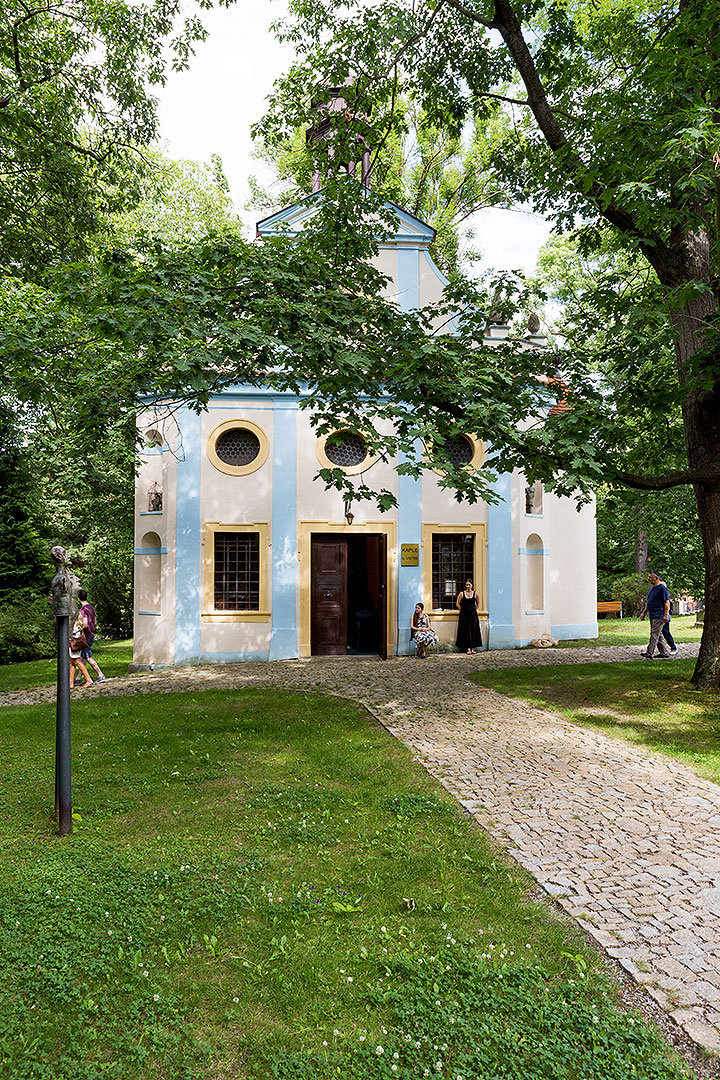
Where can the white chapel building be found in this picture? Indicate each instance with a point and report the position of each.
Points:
(242, 554)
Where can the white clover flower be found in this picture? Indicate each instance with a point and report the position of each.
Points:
(156, 997)
(394, 1068)
(236, 1000)
(379, 1050)
(396, 1055)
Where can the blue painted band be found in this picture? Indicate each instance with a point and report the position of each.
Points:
(501, 636)
(535, 611)
(151, 513)
(188, 582)
(232, 657)
(408, 279)
(501, 629)
(283, 636)
(533, 551)
(149, 612)
(150, 551)
(575, 632)
(409, 532)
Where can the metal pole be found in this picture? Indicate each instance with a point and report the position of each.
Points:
(63, 787)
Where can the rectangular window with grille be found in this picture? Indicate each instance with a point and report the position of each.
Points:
(453, 563)
(237, 571)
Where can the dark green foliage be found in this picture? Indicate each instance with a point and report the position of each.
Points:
(669, 526)
(631, 590)
(24, 562)
(76, 102)
(27, 628)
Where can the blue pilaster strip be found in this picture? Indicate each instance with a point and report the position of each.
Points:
(408, 279)
(409, 489)
(188, 584)
(501, 629)
(409, 532)
(284, 636)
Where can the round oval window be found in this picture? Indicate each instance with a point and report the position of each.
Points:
(237, 447)
(346, 449)
(458, 450)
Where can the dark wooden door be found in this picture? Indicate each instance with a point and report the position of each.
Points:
(382, 592)
(328, 613)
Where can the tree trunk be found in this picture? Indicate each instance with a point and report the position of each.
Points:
(641, 547)
(701, 418)
(707, 670)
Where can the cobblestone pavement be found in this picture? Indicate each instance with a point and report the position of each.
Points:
(626, 841)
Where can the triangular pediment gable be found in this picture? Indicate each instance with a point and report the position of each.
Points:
(410, 231)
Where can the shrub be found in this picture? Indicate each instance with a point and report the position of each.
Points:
(631, 590)
(27, 630)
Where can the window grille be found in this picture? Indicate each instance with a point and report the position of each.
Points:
(458, 450)
(237, 447)
(452, 565)
(237, 571)
(346, 449)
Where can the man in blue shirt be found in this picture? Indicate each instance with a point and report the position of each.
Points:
(658, 609)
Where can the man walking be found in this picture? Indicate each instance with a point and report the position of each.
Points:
(88, 611)
(658, 610)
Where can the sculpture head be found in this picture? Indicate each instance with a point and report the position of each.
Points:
(59, 556)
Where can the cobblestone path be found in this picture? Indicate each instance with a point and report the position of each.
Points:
(626, 841)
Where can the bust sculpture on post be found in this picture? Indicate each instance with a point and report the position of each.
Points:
(65, 586)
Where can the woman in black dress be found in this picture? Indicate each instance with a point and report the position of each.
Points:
(468, 631)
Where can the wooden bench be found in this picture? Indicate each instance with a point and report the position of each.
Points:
(610, 607)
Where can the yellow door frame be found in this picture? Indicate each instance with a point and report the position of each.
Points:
(306, 529)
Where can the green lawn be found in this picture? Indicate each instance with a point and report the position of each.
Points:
(647, 703)
(636, 632)
(266, 885)
(112, 656)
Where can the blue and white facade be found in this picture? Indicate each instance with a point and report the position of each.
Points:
(229, 561)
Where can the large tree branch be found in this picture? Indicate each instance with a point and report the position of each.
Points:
(566, 155)
(680, 477)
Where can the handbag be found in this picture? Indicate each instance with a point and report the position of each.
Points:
(77, 644)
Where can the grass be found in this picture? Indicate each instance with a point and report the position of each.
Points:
(112, 656)
(263, 885)
(651, 704)
(636, 632)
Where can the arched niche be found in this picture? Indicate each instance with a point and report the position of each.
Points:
(534, 573)
(149, 572)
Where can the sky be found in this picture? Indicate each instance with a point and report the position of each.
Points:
(210, 109)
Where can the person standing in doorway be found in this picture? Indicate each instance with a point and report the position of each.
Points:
(468, 630)
(657, 606)
(88, 613)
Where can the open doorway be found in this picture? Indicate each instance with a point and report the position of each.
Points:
(348, 587)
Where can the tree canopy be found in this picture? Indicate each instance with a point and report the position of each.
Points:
(614, 108)
(76, 105)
